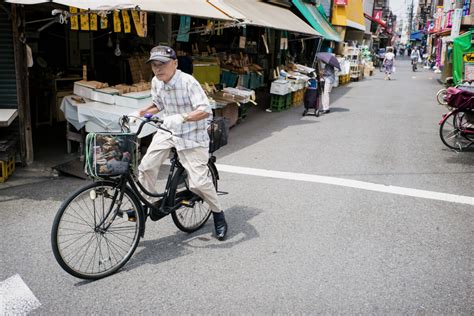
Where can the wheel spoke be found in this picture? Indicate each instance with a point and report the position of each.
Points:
(86, 250)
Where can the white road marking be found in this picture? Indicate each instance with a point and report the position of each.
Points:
(432, 195)
(16, 297)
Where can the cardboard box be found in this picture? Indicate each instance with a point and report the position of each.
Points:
(106, 95)
(82, 90)
(280, 87)
(135, 100)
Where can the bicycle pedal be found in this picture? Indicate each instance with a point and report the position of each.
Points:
(188, 203)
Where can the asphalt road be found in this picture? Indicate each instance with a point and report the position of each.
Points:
(294, 246)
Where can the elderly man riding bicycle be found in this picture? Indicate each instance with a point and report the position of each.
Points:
(186, 111)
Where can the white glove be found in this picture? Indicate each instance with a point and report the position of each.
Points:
(173, 121)
(133, 117)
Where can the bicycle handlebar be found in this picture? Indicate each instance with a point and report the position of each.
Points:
(149, 118)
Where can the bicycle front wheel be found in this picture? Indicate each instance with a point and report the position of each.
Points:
(440, 97)
(96, 230)
(456, 132)
(190, 218)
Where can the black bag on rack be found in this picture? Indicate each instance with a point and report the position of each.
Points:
(218, 133)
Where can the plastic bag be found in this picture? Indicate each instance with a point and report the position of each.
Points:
(218, 133)
(419, 59)
(394, 69)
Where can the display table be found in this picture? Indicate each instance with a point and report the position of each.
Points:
(93, 116)
(7, 116)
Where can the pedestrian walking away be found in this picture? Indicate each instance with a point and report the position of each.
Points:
(186, 111)
(329, 78)
(389, 63)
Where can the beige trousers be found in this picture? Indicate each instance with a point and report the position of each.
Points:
(325, 97)
(194, 160)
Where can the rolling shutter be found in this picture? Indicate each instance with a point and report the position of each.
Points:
(8, 95)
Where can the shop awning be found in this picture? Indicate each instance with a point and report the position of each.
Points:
(351, 15)
(197, 8)
(416, 36)
(27, 1)
(317, 21)
(264, 14)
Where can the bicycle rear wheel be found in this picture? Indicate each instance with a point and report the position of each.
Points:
(456, 132)
(95, 232)
(190, 218)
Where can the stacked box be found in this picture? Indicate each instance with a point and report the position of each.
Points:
(7, 167)
(280, 102)
(297, 97)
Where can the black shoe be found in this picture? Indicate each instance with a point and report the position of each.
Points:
(220, 224)
(325, 111)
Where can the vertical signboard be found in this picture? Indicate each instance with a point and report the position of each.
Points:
(456, 23)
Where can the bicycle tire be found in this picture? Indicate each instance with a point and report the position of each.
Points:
(440, 97)
(452, 131)
(199, 214)
(114, 246)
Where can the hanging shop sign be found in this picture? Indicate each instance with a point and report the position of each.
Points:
(341, 2)
(74, 19)
(449, 20)
(456, 24)
(466, 7)
(93, 22)
(117, 23)
(137, 24)
(104, 22)
(84, 20)
(127, 27)
(378, 16)
(439, 17)
(469, 71)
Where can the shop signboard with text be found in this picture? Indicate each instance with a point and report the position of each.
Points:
(456, 25)
(341, 2)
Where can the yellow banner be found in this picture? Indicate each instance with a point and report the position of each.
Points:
(93, 21)
(127, 28)
(74, 19)
(117, 23)
(136, 23)
(104, 22)
(143, 22)
(84, 21)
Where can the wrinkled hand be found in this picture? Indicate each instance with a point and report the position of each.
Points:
(173, 121)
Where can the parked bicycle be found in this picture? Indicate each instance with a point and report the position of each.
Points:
(441, 94)
(98, 227)
(457, 126)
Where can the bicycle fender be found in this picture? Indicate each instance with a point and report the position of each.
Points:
(212, 166)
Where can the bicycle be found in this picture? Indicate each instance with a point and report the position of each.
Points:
(457, 126)
(441, 94)
(97, 228)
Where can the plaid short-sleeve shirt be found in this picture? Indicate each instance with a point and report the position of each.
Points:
(182, 94)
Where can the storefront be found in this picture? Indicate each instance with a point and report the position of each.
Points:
(348, 19)
(223, 43)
